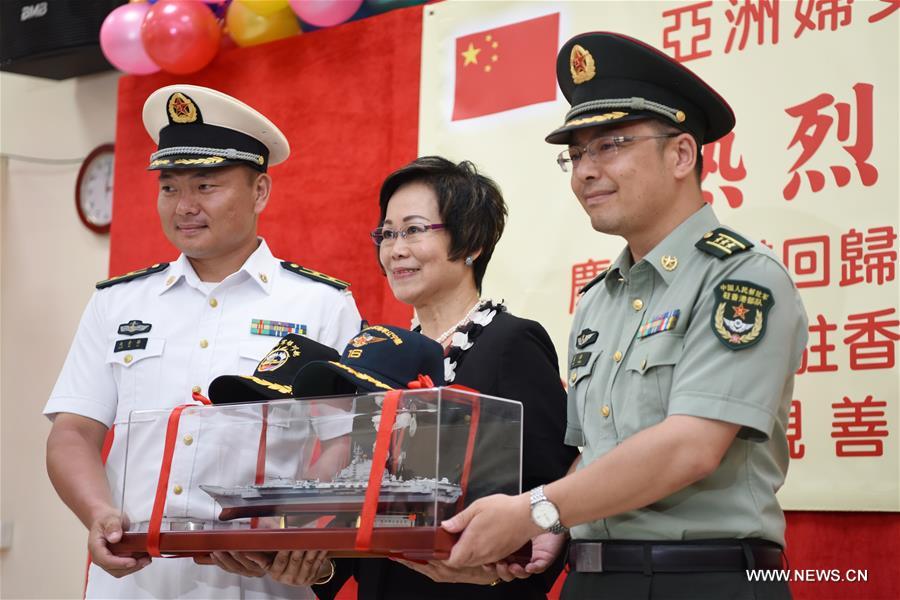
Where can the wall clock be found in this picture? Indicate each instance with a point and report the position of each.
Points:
(94, 188)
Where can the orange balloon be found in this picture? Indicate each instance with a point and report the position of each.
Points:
(247, 28)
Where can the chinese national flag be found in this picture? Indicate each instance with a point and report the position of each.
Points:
(504, 68)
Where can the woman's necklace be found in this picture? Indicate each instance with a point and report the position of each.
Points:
(443, 337)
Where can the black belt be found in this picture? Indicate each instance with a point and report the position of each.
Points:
(674, 557)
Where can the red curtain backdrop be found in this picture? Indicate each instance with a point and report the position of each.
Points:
(347, 98)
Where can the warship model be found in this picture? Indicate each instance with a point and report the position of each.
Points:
(342, 495)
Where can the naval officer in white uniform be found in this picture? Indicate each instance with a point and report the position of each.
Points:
(152, 338)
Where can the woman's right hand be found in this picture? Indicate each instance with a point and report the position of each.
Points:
(300, 567)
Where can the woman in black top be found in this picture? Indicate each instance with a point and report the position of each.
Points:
(439, 225)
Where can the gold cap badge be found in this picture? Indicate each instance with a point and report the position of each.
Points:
(182, 109)
(581, 64)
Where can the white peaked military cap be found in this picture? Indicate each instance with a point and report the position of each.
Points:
(197, 127)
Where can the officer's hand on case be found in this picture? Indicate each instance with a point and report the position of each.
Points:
(544, 550)
(107, 529)
(248, 564)
(300, 567)
(439, 571)
(491, 529)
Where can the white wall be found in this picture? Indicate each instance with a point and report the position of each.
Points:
(48, 264)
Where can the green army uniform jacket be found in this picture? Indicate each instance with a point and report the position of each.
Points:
(707, 325)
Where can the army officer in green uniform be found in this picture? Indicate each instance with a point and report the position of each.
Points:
(681, 356)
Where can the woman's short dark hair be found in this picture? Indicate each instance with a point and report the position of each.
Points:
(470, 204)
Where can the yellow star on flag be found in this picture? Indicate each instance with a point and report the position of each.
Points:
(470, 56)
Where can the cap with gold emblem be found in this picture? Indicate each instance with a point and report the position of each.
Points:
(380, 357)
(198, 127)
(274, 374)
(612, 78)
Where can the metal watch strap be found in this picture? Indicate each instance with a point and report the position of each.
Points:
(537, 495)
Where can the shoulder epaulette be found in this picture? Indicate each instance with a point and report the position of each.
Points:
(723, 243)
(315, 275)
(131, 276)
(594, 281)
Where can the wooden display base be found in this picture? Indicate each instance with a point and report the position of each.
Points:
(412, 543)
(419, 543)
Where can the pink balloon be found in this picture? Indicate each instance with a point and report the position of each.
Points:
(325, 13)
(120, 40)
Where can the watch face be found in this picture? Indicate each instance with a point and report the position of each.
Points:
(93, 192)
(544, 514)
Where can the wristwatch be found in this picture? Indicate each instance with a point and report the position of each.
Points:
(544, 513)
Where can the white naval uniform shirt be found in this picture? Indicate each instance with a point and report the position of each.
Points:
(197, 332)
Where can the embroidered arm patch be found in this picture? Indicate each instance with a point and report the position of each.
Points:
(740, 313)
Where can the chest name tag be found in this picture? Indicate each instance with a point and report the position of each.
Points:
(275, 328)
(663, 322)
(132, 344)
(580, 359)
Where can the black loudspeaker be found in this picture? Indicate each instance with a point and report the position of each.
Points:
(56, 39)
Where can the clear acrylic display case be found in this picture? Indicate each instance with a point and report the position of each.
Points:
(368, 475)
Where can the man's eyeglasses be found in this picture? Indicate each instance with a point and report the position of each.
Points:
(602, 149)
(410, 233)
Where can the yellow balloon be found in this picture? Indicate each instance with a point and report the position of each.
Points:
(264, 8)
(248, 28)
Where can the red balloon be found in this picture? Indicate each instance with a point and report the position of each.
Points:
(180, 36)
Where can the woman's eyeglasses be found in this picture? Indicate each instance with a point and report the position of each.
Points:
(410, 233)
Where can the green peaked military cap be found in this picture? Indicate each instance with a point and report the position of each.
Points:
(611, 78)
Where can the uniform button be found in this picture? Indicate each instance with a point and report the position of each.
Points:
(643, 364)
(177, 489)
(604, 411)
(263, 277)
(707, 235)
(467, 418)
(572, 376)
(128, 358)
(170, 280)
(188, 439)
(637, 304)
(213, 302)
(617, 356)
(204, 343)
(196, 389)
